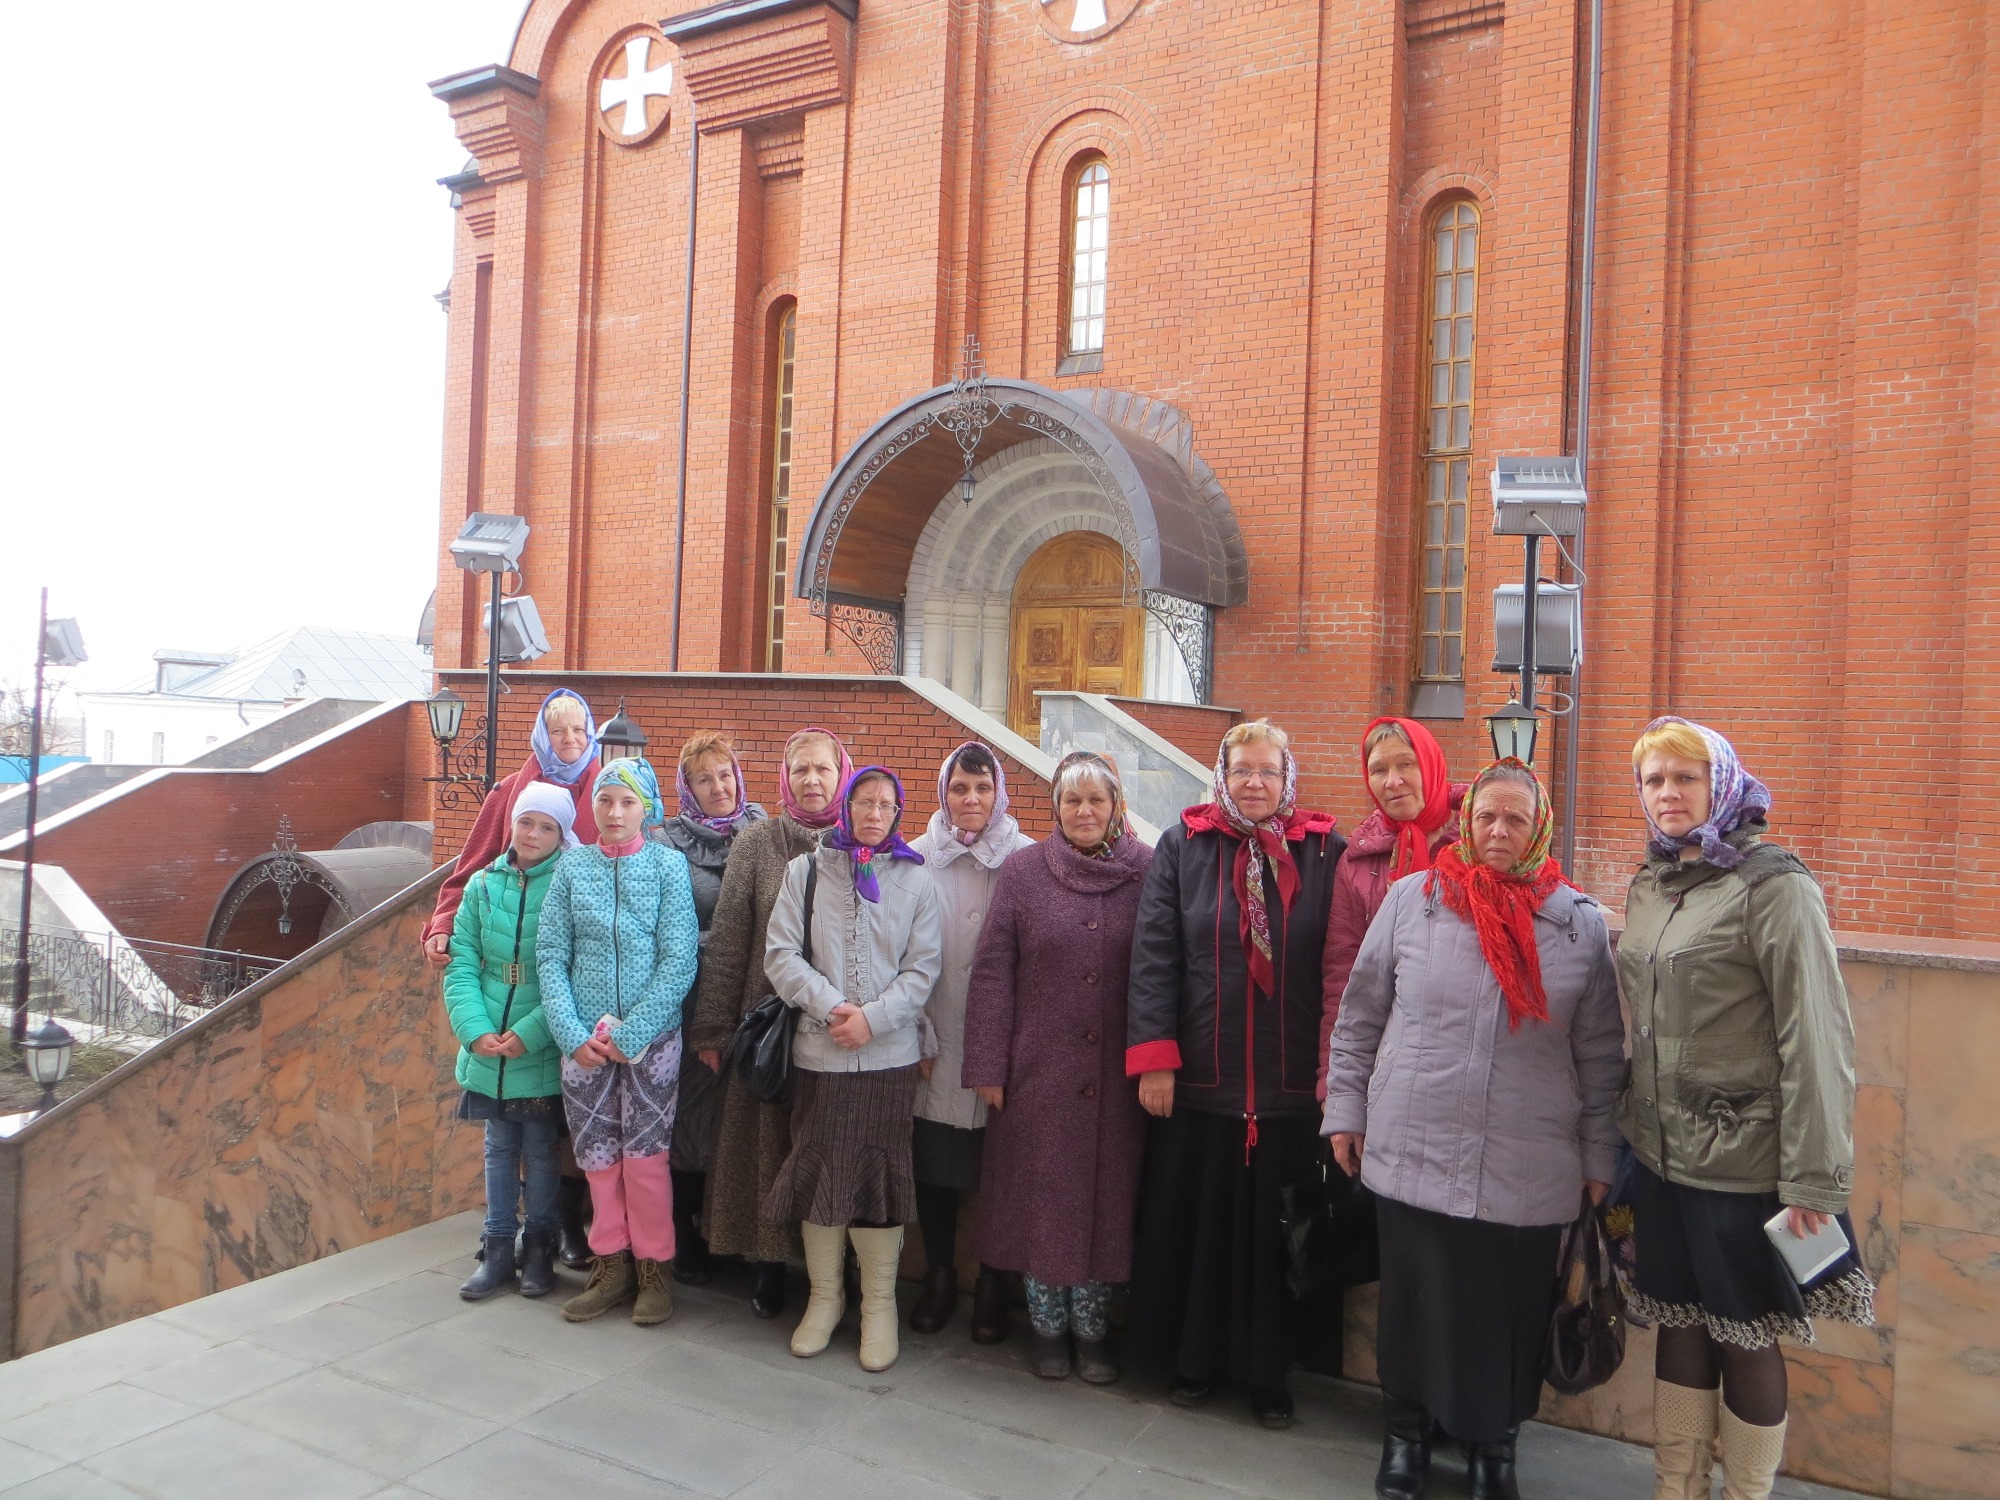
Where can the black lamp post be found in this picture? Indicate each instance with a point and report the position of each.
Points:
(1512, 728)
(491, 543)
(621, 738)
(447, 712)
(57, 641)
(45, 1055)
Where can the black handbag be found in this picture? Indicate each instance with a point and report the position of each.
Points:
(1329, 1227)
(761, 1050)
(1587, 1329)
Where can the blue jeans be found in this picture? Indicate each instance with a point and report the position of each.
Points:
(511, 1145)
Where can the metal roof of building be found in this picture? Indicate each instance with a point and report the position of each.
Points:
(312, 662)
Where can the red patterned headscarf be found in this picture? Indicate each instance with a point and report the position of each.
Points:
(1500, 906)
(1413, 836)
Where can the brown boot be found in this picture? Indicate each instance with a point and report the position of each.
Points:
(655, 1302)
(611, 1282)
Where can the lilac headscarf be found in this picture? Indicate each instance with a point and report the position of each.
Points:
(828, 815)
(1000, 797)
(1735, 797)
(553, 766)
(690, 806)
(865, 855)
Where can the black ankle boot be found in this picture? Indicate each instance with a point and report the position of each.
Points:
(538, 1264)
(572, 1247)
(692, 1266)
(496, 1270)
(939, 1301)
(1489, 1467)
(990, 1319)
(767, 1298)
(1406, 1451)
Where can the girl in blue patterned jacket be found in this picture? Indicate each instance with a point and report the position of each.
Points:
(616, 955)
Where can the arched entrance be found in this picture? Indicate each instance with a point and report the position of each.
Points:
(1076, 626)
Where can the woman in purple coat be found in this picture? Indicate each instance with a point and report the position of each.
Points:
(1045, 1048)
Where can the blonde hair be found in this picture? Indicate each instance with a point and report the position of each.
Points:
(565, 707)
(1683, 740)
(1389, 731)
(707, 742)
(805, 741)
(1254, 732)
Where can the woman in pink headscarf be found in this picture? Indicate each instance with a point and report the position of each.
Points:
(755, 1137)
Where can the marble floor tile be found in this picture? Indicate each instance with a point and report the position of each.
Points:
(1005, 1465)
(86, 1364)
(75, 1429)
(535, 1326)
(73, 1484)
(438, 1366)
(822, 1474)
(633, 1427)
(329, 1333)
(1097, 1419)
(391, 1433)
(518, 1466)
(787, 1403)
(224, 1373)
(208, 1456)
(426, 1297)
(18, 1464)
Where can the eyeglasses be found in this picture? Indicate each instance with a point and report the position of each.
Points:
(874, 807)
(1250, 773)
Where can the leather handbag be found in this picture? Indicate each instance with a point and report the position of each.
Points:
(1587, 1329)
(761, 1050)
(1328, 1220)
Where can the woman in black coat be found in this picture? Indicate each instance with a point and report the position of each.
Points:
(1223, 1035)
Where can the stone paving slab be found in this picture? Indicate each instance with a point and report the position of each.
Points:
(364, 1377)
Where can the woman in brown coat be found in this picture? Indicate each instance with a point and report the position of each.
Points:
(1045, 1048)
(756, 1137)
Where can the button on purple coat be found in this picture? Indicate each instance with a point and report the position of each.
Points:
(1045, 1020)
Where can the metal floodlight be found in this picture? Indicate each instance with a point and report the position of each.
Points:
(447, 711)
(1512, 730)
(1537, 497)
(490, 543)
(62, 644)
(1558, 627)
(521, 635)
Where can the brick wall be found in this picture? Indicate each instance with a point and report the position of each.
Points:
(1194, 729)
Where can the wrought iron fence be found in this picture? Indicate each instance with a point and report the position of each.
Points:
(129, 984)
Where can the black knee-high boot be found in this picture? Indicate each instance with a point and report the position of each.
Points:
(691, 1267)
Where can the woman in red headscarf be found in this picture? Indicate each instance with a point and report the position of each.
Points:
(1403, 765)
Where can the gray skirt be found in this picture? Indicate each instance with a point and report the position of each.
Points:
(850, 1156)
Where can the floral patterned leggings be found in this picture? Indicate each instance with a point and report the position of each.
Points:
(1053, 1308)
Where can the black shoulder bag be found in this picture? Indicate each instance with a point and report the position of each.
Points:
(1587, 1329)
(761, 1050)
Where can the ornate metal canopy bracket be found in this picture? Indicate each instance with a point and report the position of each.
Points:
(970, 411)
(876, 633)
(1192, 627)
(287, 872)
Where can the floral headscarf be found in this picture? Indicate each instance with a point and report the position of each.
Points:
(864, 856)
(637, 774)
(690, 806)
(1263, 840)
(827, 816)
(554, 767)
(1001, 801)
(1735, 797)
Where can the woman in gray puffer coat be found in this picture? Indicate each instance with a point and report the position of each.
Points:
(1471, 1081)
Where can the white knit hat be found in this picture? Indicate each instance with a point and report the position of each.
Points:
(550, 801)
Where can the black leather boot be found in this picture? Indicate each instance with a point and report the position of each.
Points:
(538, 1264)
(1489, 1468)
(691, 1258)
(1406, 1451)
(990, 1321)
(496, 1270)
(572, 1247)
(939, 1301)
(767, 1297)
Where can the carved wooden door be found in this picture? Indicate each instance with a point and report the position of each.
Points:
(1077, 626)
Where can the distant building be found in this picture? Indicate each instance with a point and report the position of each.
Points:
(197, 699)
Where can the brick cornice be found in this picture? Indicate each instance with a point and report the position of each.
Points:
(748, 60)
(498, 117)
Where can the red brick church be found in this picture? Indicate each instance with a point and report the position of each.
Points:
(1260, 289)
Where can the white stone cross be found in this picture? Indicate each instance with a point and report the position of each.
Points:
(1088, 15)
(641, 83)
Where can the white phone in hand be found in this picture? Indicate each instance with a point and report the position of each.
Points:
(1806, 1257)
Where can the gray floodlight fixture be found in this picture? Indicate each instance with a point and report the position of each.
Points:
(521, 635)
(1558, 628)
(490, 543)
(62, 644)
(1537, 497)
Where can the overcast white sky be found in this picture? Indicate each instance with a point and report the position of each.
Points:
(221, 365)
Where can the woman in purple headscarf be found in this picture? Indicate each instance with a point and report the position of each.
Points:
(1740, 1110)
(872, 913)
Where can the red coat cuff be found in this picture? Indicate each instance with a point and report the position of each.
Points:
(1149, 1057)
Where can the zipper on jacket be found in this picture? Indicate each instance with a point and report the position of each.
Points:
(617, 965)
(1250, 1048)
(507, 1010)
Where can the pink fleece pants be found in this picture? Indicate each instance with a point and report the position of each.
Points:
(632, 1207)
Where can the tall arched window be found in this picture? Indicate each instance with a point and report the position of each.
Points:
(1452, 285)
(1089, 244)
(783, 342)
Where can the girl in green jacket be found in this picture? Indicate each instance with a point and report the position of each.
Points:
(508, 1064)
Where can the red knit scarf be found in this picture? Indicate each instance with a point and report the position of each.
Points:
(1501, 909)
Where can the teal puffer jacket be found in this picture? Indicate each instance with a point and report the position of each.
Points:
(491, 984)
(619, 938)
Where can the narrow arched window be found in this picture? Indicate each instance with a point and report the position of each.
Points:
(783, 343)
(1089, 246)
(1452, 288)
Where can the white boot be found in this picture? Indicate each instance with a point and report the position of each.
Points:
(1683, 1441)
(878, 1251)
(1750, 1456)
(826, 1249)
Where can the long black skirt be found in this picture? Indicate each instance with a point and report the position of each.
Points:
(1208, 1270)
(1464, 1317)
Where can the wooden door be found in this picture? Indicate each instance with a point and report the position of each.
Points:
(1077, 626)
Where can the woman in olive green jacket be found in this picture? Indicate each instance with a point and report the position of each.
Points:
(1739, 1109)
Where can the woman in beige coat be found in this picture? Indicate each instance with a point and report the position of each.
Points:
(969, 838)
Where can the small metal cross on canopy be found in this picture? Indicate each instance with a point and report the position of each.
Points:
(640, 83)
(970, 411)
